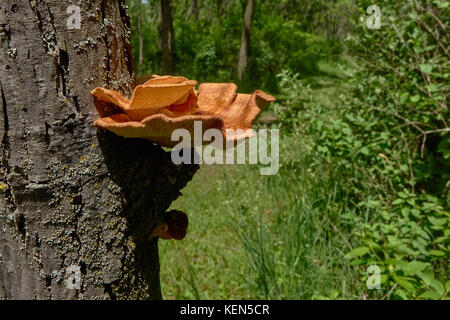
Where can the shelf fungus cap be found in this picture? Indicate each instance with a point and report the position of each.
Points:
(147, 99)
(171, 225)
(163, 104)
(238, 110)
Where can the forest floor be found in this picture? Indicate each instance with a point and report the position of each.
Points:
(265, 237)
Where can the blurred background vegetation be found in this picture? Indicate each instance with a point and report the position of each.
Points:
(364, 173)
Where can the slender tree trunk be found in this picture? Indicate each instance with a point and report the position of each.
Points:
(219, 8)
(166, 38)
(76, 204)
(245, 39)
(141, 42)
(186, 10)
(194, 9)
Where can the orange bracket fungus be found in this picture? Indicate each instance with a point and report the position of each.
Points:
(166, 103)
(163, 104)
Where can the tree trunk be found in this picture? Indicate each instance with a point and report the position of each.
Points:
(76, 204)
(166, 38)
(219, 8)
(245, 39)
(194, 10)
(141, 43)
(186, 10)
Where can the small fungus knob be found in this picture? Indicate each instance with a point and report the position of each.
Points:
(171, 225)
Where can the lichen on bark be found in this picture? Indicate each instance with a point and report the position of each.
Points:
(70, 195)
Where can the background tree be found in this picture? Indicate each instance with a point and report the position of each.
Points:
(193, 10)
(219, 8)
(166, 37)
(141, 37)
(72, 198)
(245, 38)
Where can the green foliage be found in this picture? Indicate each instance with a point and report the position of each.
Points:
(263, 237)
(282, 44)
(365, 153)
(206, 52)
(410, 243)
(392, 138)
(207, 49)
(295, 97)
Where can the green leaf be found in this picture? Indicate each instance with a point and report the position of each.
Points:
(433, 88)
(405, 284)
(426, 68)
(358, 262)
(347, 131)
(398, 201)
(401, 294)
(415, 98)
(415, 213)
(437, 253)
(437, 222)
(440, 239)
(441, 4)
(414, 267)
(364, 151)
(360, 251)
(438, 286)
(430, 295)
(426, 276)
(405, 212)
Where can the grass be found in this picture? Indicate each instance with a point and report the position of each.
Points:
(265, 237)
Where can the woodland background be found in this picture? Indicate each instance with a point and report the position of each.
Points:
(365, 148)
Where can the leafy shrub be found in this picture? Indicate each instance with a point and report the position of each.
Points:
(395, 127)
(391, 137)
(282, 45)
(410, 245)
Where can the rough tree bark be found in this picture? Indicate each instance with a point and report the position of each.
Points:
(166, 37)
(245, 39)
(72, 198)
